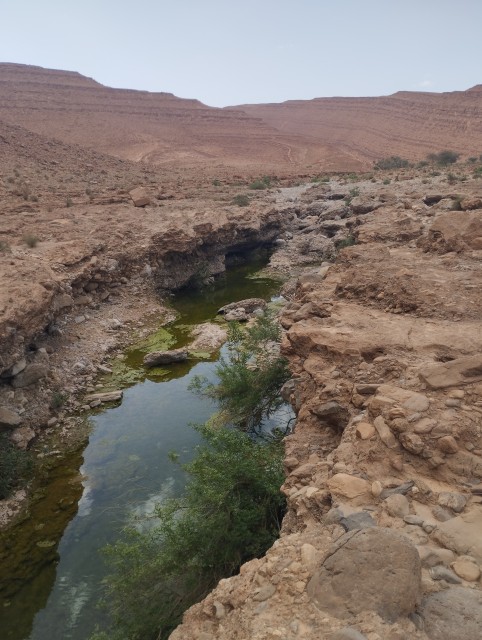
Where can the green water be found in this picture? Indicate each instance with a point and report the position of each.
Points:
(50, 564)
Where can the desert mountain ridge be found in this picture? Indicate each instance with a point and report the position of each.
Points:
(322, 134)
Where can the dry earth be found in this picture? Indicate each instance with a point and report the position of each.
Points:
(381, 540)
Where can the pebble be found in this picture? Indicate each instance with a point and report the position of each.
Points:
(376, 488)
(447, 444)
(410, 519)
(466, 568)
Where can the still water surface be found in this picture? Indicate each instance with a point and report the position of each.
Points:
(51, 566)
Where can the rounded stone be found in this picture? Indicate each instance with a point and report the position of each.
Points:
(370, 569)
(397, 505)
(466, 568)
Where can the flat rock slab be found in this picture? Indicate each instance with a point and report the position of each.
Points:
(453, 614)
(462, 534)
(453, 373)
(107, 396)
(371, 569)
(159, 358)
(9, 419)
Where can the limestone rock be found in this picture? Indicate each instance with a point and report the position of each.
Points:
(386, 436)
(462, 533)
(412, 442)
(466, 568)
(359, 520)
(9, 419)
(249, 305)
(448, 444)
(158, 358)
(30, 375)
(365, 430)
(333, 414)
(349, 487)
(454, 501)
(107, 396)
(453, 613)
(371, 569)
(453, 373)
(397, 505)
(208, 337)
(140, 197)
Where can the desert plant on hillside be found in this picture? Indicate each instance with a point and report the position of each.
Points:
(241, 200)
(353, 193)
(263, 183)
(30, 239)
(393, 162)
(346, 242)
(4, 247)
(444, 158)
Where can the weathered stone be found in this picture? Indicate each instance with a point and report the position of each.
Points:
(442, 515)
(412, 442)
(415, 520)
(425, 425)
(453, 614)
(249, 305)
(462, 533)
(410, 400)
(159, 358)
(454, 501)
(236, 315)
(333, 414)
(22, 436)
(453, 373)
(347, 633)
(365, 430)
(140, 197)
(9, 419)
(304, 471)
(107, 396)
(208, 337)
(16, 369)
(368, 570)
(397, 505)
(349, 487)
(264, 593)
(366, 389)
(448, 444)
(30, 375)
(309, 557)
(376, 488)
(442, 573)
(386, 436)
(359, 520)
(432, 556)
(466, 568)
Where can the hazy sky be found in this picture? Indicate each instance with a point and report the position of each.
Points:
(227, 52)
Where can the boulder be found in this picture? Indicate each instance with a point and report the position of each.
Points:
(249, 305)
(333, 414)
(208, 337)
(462, 533)
(361, 205)
(453, 613)
(351, 487)
(30, 375)
(22, 437)
(371, 569)
(397, 505)
(140, 197)
(453, 373)
(9, 419)
(107, 396)
(159, 358)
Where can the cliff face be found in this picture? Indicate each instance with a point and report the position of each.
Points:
(384, 469)
(408, 124)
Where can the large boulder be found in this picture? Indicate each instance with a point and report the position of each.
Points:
(30, 375)
(453, 614)
(371, 569)
(159, 358)
(249, 305)
(140, 197)
(9, 419)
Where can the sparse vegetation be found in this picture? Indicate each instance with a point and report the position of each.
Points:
(216, 183)
(352, 194)
(4, 247)
(387, 181)
(241, 200)
(59, 398)
(393, 162)
(444, 158)
(15, 466)
(349, 241)
(30, 239)
(263, 183)
(69, 202)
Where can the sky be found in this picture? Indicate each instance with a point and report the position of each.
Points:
(228, 52)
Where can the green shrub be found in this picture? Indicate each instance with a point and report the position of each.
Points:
(59, 398)
(263, 183)
(352, 194)
(393, 162)
(346, 242)
(30, 239)
(444, 158)
(4, 247)
(15, 466)
(230, 513)
(69, 202)
(216, 183)
(241, 200)
(250, 378)
(387, 181)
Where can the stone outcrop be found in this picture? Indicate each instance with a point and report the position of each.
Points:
(159, 358)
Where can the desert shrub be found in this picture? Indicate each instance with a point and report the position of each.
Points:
(393, 162)
(387, 181)
(30, 239)
(262, 183)
(353, 193)
(444, 158)
(472, 160)
(15, 466)
(216, 183)
(241, 200)
(59, 398)
(346, 242)
(69, 202)
(4, 247)
(451, 178)
(477, 172)
(250, 378)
